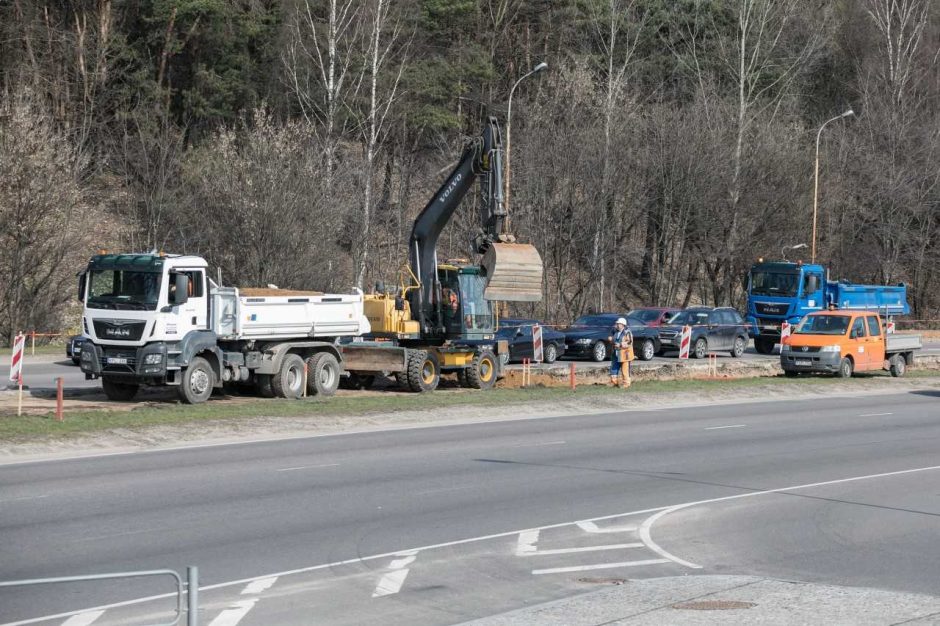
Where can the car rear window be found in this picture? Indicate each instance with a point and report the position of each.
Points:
(646, 315)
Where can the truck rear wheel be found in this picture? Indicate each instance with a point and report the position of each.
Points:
(323, 374)
(764, 346)
(289, 380)
(898, 365)
(119, 392)
(198, 382)
(263, 383)
(424, 371)
(483, 370)
(845, 368)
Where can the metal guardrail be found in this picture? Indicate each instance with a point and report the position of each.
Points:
(190, 588)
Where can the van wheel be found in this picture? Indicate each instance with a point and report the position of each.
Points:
(119, 392)
(424, 371)
(289, 380)
(483, 371)
(197, 383)
(323, 375)
(845, 368)
(898, 365)
(737, 350)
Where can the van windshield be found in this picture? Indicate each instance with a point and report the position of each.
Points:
(824, 325)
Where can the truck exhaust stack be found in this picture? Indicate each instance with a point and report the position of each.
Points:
(513, 273)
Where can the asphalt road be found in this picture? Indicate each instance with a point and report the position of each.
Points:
(445, 524)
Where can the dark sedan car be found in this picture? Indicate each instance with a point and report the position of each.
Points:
(73, 348)
(654, 315)
(712, 330)
(518, 332)
(588, 337)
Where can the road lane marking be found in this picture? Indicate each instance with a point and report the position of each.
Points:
(257, 586)
(83, 619)
(722, 427)
(535, 445)
(231, 616)
(875, 414)
(585, 568)
(21, 498)
(303, 467)
(392, 581)
(609, 546)
(526, 542)
(591, 527)
(469, 540)
(442, 490)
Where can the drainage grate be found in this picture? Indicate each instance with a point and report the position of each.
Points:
(603, 581)
(713, 605)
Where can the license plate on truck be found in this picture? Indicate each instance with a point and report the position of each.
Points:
(117, 360)
(804, 362)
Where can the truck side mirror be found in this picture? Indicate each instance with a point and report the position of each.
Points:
(812, 283)
(81, 286)
(181, 293)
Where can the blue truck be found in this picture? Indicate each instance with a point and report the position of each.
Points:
(783, 291)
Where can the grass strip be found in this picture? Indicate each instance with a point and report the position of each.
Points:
(31, 427)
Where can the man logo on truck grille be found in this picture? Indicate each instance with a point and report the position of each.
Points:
(118, 332)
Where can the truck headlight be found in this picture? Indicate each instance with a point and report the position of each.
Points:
(832, 348)
(153, 359)
(86, 355)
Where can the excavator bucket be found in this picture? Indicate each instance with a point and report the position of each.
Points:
(513, 273)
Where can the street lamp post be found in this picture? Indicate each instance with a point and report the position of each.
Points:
(816, 176)
(538, 68)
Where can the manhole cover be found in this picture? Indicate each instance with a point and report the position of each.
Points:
(602, 581)
(713, 605)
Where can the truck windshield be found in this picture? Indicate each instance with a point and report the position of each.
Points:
(123, 289)
(824, 325)
(774, 284)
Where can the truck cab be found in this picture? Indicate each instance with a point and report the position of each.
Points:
(780, 292)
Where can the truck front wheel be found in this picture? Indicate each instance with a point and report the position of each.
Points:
(119, 392)
(845, 368)
(764, 346)
(198, 382)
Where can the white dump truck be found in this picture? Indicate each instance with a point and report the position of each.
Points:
(159, 320)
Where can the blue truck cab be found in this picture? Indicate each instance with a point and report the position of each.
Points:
(780, 292)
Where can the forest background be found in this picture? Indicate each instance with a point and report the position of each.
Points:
(670, 143)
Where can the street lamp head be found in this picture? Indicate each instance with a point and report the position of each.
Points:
(848, 113)
(798, 246)
(541, 66)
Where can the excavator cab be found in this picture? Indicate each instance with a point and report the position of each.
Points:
(466, 313)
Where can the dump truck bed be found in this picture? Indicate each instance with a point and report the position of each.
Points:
(237, 316)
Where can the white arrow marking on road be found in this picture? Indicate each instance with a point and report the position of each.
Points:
(392, 582)
(611, 546)
(83, 619)
(233, 615)
(526, 543)
(591, 527)
(258, 586)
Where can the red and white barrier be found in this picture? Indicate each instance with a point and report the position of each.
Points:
(685, 342)
(889, 328)
(538, 352)
(16, 368)
(785, 333)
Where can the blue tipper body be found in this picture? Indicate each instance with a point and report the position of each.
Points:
(780, 292)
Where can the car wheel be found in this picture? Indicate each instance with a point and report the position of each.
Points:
(119, 392)
(198, 382)
(551, 353)
(845, 368)
(737, 350)
(701, 348)
(599, 352)
(647, 350)
(898, 365)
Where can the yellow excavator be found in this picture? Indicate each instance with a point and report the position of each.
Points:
(445, 312)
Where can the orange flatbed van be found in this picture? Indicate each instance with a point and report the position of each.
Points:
(844, 342)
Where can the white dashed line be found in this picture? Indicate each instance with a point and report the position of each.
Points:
(391, 582)
(21, 498)
(585, 568)
(722, 427)
(875, 414)
(535, 445)
(303, 467)
(83, 619)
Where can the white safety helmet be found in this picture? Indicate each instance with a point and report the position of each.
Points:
(621, 320)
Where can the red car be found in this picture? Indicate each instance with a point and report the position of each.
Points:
(654, 315)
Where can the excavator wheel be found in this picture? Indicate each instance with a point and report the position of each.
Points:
(483, 370)
(424, 371)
